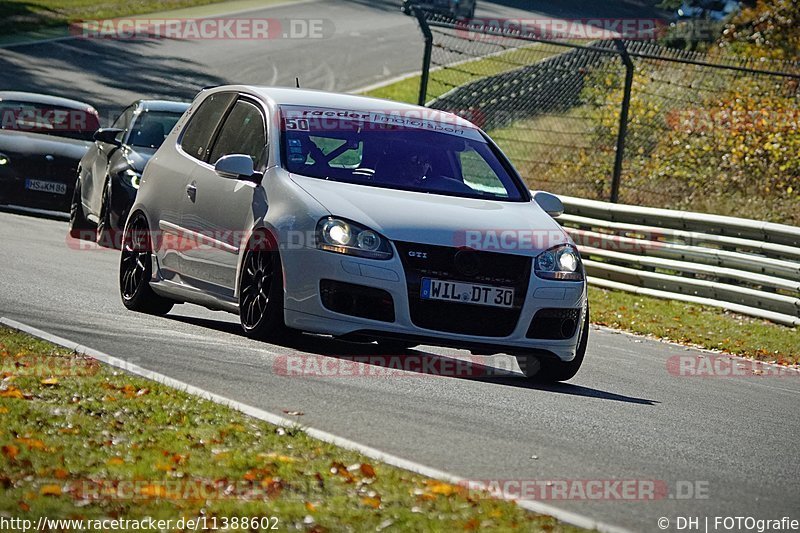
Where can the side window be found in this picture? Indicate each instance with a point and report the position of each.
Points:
(197, 135)
(244, 132)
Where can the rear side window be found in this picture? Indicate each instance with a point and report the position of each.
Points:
(197, 135)
(244, 132)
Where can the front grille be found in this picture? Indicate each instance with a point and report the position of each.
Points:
(458, 264)
(554, 324)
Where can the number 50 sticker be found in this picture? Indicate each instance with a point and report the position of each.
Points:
(297, 124)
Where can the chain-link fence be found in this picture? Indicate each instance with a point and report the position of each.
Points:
(694, 132)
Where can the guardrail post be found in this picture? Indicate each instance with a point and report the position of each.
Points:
(623, 119)
(426, 56)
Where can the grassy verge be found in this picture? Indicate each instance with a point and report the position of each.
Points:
(80, 440)
(407, 90)
(708, 327)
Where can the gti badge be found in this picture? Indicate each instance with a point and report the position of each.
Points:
(420, 255)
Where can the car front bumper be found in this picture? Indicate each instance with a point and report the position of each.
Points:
(304, 310)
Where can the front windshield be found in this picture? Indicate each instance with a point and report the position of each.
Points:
(48, 119)
(382, 150)
(151, 128)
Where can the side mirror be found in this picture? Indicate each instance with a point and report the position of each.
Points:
(108, 136)
(237, 167)
(550, 203)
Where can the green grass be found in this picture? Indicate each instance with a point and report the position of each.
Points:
(708, 327)
(442, 81)
(73, 433)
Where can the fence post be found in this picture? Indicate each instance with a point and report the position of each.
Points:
(623, 119)
(426, 56)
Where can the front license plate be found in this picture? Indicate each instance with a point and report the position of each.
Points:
(469, 293)
(46, 186)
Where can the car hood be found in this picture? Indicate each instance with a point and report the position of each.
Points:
(25, 144)
(521, 228)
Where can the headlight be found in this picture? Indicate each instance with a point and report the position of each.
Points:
(132, 177)
(4, 160)
(343, 237)
(559, 263)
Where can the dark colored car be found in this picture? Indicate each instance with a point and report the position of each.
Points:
(42, 140)
(109, 173)
(452, 8)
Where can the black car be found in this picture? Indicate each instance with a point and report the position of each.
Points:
(42, 140)
(109, 173)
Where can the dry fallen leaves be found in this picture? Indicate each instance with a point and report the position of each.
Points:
(32, 444)
(472, 524)
(367, 470)
(372, 502)
(10, 451)
(273, 487)
(339, 469)
(49, 382)
(442, 489)
(257, 473)
(50, 490)
(12, 392)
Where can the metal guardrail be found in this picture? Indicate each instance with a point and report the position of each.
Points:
(745, 266)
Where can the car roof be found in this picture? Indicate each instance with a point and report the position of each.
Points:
(163, 105)
(315, 98)
(47, 99)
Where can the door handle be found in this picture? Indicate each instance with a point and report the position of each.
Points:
(191, 191)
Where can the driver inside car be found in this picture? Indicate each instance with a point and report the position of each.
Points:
(404, 164)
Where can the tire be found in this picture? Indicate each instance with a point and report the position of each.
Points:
(135, 270)
(79, 227)
(545, 370)
(261, 296)
(107, 235)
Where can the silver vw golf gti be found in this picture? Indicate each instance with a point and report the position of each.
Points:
(360, 218)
